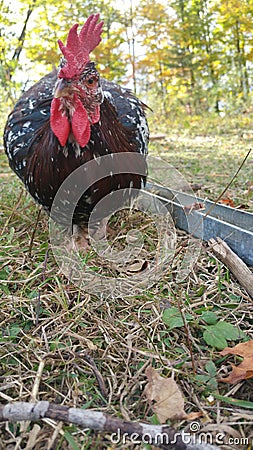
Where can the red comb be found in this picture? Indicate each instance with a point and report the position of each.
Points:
(78, 47)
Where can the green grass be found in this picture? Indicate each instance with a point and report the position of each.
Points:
(46, 319)
(208, 153)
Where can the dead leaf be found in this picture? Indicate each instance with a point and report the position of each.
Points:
(228, 202)
(137, 266)
(244, 370)
(166, 395)
(194, 416)
(241, 372)
(244, 349)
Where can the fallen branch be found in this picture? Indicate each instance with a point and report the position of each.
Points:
(162, 436)
(234, 263)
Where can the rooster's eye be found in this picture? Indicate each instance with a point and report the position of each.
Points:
(90, 81)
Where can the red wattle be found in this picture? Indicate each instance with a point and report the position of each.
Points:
(96, 115)
(59, 122)
(80, 124)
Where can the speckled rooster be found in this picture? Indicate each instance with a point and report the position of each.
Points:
(70, 117)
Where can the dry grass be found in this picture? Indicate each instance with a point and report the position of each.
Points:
(59, 343)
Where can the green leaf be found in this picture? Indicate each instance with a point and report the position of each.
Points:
(234, 401)
(212, 384)
(218, 334)
(202, 378)
(228, 331)
(4, 289)
(71, 441)
(167, 342)
(211, 368)
(153, 419)
(207, 382)
(4, 274)
(200, 291)
(173, 319)
(11, 333)
(213, 340)
(209, 317)
(14, 331)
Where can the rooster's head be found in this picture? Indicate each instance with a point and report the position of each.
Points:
(78, 94)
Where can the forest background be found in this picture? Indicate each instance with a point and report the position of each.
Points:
(180, 56)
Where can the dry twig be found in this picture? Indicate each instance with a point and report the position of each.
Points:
(163, 436)
(234, 263)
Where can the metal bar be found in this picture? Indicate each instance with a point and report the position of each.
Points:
(233, 226)
(234, 216)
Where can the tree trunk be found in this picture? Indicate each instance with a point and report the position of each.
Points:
(241, 61)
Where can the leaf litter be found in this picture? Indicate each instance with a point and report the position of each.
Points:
(165, 396)
(245, 369)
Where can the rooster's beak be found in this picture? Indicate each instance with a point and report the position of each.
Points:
(62, 88)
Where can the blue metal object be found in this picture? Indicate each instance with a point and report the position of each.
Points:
(213, 220)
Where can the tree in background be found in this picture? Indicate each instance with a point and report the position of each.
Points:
(235, 18)
(11, 45)
(47, 29)
(153, 23)
(199, 53)
(190, 56)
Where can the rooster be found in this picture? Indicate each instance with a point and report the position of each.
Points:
(70, 117)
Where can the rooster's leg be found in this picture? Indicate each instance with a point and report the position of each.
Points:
(80, 238)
